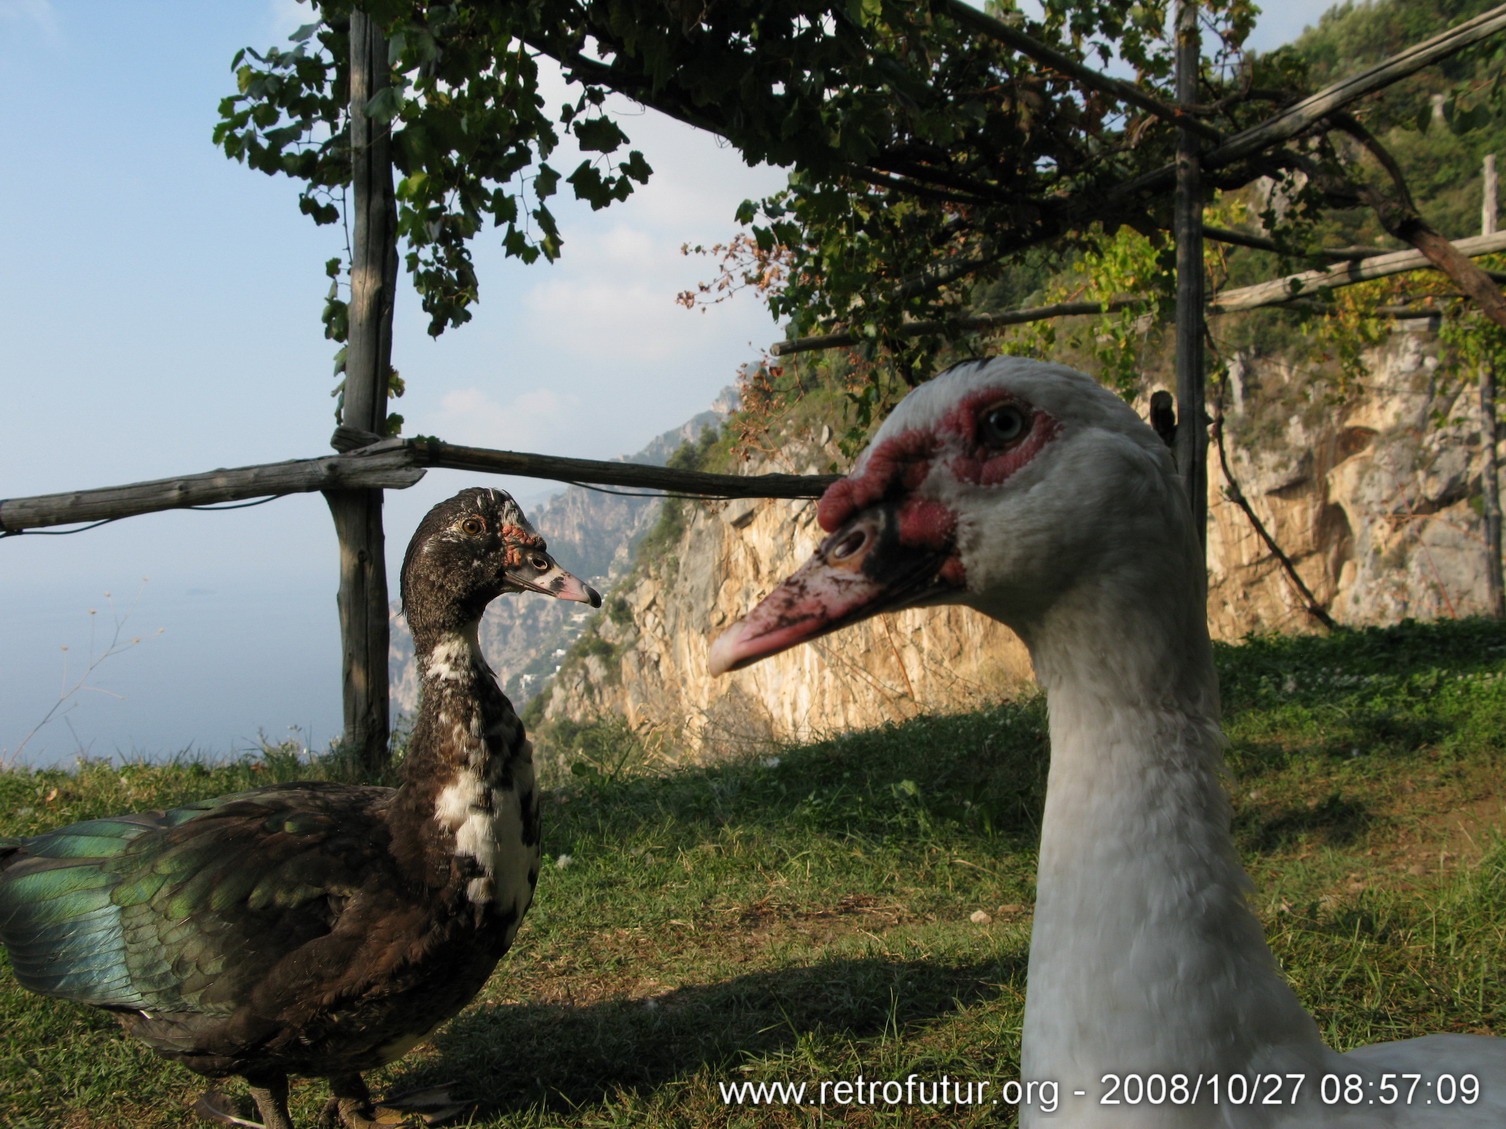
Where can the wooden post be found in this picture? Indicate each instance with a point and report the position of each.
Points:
(1488, 197)
(1490, 483)
(368, 359)
(1490, 492)
(1191, 448)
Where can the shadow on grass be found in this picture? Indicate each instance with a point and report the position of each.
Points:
(1409, 659)
(975, 775)
(1364, 735)
(1376, 731)
(560, 1057)
(1334, 821)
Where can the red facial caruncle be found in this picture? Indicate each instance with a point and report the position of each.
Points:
(518, 540)
(898, 463)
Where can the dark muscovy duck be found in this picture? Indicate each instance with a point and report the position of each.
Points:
(315, 929)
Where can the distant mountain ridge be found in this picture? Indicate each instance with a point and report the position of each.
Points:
(593, 534)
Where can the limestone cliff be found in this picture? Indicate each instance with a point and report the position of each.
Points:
(1373, 496)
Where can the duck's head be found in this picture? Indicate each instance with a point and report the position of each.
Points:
(470, 549)
(1000, 484)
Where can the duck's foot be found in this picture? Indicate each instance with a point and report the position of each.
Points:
(215, 1105)
(432, 1106)
(271, 1101)
(413, 1109)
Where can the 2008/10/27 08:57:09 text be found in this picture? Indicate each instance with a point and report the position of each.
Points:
(1176, 1089)
(1287, 1089)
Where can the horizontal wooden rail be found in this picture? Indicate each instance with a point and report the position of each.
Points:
(433, 452)
(385, 469)
(1274, 292)
(1304, 284)
(390, 464)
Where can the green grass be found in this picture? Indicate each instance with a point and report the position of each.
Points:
(808, 914)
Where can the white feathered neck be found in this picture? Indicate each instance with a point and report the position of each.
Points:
(1146, 956)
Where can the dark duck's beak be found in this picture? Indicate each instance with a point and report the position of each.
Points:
(537, 572)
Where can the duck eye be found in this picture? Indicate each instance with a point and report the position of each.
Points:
(1001, 425)
(473, 525)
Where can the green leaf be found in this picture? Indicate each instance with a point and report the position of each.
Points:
(637, 168)
(545, 182)
(589, 186)
(383, 106)
(598, 135)
(412, 187)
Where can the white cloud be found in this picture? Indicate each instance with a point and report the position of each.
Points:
(632, 319)
(602, 319)
(626, 246)
(38, 13)
(284, 17)
(531, 421)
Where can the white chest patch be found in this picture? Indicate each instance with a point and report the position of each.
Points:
(488, 825)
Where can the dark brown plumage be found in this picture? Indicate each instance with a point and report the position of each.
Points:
(316, 928)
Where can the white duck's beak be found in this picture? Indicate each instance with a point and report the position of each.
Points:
(862, 568)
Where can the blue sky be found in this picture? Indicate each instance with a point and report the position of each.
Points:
(159, 315)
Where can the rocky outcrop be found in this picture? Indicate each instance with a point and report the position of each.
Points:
(1373, 495)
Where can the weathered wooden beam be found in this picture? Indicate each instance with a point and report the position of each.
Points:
(434, 452)
(1359, 266)
(966, 324)
(1490, 492)
(357, 514)
(1305, 114)
(1303, 284)
(381, 469)
(1488, 192)
(365, 632)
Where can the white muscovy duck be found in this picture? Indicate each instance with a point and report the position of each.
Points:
(1029, 492)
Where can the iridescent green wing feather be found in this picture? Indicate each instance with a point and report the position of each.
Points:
(181, 911)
